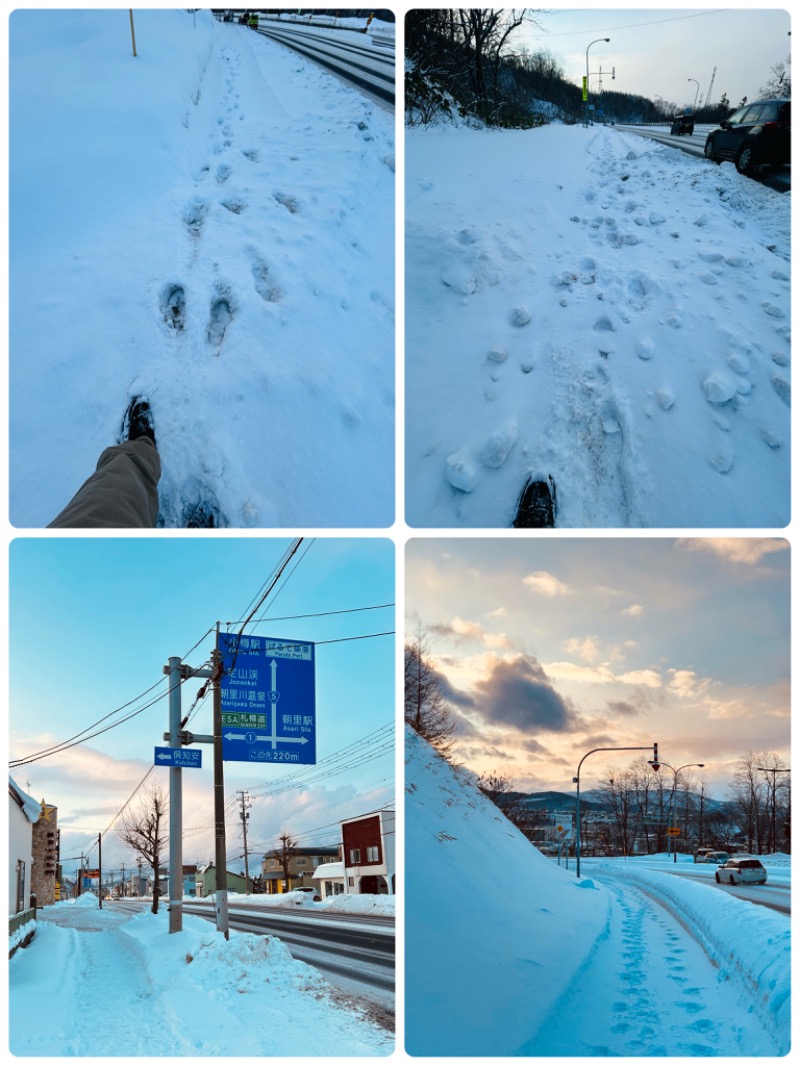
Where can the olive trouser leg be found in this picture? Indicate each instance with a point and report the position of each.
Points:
(122, 493)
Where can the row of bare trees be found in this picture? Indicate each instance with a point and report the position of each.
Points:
(144, 827)
(755, 813)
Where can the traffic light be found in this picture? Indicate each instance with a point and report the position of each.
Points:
(655, 763)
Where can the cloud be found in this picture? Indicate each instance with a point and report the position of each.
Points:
(634, 610)
(744, 552)
(585, 648)
(687, 685)
(519, 693)
(602, 675)
(547, 584)
(460, 630)
(620, 707)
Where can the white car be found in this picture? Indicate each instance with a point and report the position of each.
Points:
(741, 872)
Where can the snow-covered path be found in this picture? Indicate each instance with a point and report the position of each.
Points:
(110, 978)
(647, 988)
(221, 241)
(600, 308)
(117, 985)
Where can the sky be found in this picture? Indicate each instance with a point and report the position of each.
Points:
(93, 622)
(550, 648)
(655, 51)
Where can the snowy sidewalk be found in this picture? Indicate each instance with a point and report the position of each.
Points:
(649, 989)
(221, 240)
(128, 987)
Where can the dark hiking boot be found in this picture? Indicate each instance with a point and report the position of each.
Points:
(537, 505)
(138, 420)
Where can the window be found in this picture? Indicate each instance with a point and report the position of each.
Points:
(355, 855)
(302, 862)
(373, 854)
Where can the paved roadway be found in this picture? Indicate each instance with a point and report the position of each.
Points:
(348, 54)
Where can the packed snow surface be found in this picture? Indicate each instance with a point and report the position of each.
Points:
(508, 953)
(594, 306)
(117, 985)
(209, 224)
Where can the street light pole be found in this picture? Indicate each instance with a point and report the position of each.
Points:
(697, 90)
(586, 103)
(577, 782)
(675, 773)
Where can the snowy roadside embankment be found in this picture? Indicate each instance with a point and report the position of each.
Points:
(346, 903)
(751, 945)
(600, 308)
(494, 931)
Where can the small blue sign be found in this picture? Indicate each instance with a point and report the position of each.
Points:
(186, 758)
(268, 700)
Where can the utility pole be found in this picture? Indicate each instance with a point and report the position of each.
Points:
(245, 815)
(175, 802)
(221, 894)
(100, 869)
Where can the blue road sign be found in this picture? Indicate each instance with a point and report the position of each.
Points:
(268, 700)
(183, 757)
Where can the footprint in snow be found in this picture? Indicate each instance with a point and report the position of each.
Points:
(220, 318)
(194, 216)
(223, 172)
(172, 304)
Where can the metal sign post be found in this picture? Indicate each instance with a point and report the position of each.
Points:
(221, 861)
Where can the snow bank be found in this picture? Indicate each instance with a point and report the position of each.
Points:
(494, 931)
(363, 903)
(750, 944)
(249, 985)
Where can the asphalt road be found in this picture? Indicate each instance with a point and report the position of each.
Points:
(368, 66)
(778, 178)
(775, 897)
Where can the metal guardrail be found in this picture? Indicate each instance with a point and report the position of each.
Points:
(17, 922)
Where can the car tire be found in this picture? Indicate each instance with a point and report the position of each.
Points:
(718, 879)
(745, 159)
(708, 152)
(731, 880)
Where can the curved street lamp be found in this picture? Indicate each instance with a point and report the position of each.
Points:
(596, 41)
(697, 90)
(674, 788)
(654, 762)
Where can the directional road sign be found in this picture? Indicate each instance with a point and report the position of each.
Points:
(268, 700)
(183, 757)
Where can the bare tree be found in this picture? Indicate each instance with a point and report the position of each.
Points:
(144, 828)
(426, 710)
(284, 854)
(498, 788)
(748, 792)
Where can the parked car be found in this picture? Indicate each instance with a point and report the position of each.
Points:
(682, 124)
(756, 135)
(707, 855)
(304, 894)
(741, 872)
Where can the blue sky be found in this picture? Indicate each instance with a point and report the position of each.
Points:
(656, 51)
(551, 647)
(92, 623)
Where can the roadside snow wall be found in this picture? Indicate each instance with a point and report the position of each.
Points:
(749, 943)
(494, 931)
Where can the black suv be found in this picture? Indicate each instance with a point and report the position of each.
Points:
(755, 135)
(682, 124)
